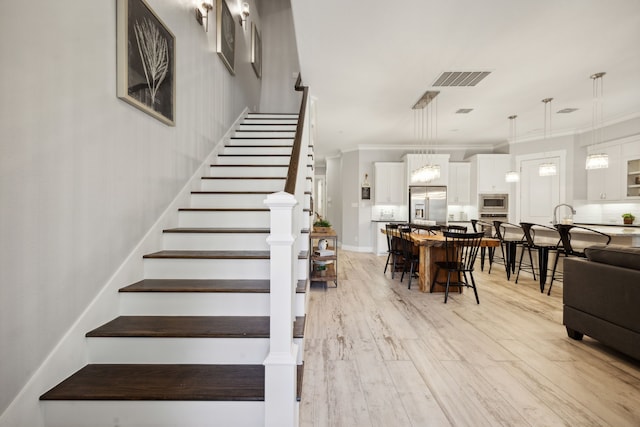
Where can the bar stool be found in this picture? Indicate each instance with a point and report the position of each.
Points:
(567, 248)
(454, 228)
(543, 250)
(508, 246)
(485, 225)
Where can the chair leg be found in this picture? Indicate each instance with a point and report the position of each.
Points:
(533, 270)
(446, 290)
(433, 282)
(410, 275)
(520, 265)
(475, 290)
(553, 274)
(387, 264)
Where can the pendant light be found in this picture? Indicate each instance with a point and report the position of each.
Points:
(428, 171)
(547, 168)
(512, 176)
(597, 160)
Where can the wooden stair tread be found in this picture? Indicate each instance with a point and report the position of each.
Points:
(244, 177)
(191, 327)
(218, 230)
(205, 285)
(232, 192)
(223, 209)
(199, 254)
(250, 166)
(165, 382)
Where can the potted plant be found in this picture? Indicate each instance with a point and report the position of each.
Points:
(321, 226)
(321, 269)
(628, 218)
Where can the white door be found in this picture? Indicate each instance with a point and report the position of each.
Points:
(538, 194)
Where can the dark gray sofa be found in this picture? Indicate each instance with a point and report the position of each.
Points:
(602, 297)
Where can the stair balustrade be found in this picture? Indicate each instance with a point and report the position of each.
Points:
(287, 218)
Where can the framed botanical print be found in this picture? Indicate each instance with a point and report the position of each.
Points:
(146, 52)
(256, 50)
(226, 35)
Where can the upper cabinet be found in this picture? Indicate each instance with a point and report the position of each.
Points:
(459, 190)
(487, 173)
(414, 161)
(605, 184)
(389, 187)
(631, 168)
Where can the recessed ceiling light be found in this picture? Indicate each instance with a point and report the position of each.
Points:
(464, 110)
(567, 110)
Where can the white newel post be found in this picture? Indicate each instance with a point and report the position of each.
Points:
(281, 409)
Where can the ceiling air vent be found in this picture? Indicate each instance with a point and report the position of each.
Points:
(425, 99)
(464, 111)
(567, 110)
(461, 78)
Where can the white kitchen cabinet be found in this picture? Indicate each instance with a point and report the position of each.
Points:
(487, 173)
(414, 161)
(459, 187)
(389, 187)
(631, 165)
(607, 183)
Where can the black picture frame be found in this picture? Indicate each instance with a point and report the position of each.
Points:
(365, 193)
(256, 50)
(225, 35)
(146, 52)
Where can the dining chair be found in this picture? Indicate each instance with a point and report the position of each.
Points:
(567, 249)
(455, 228)
(394, 250)
(543, 248)
(411, 258)
(461, 250)
(487, 228)
(511, 236)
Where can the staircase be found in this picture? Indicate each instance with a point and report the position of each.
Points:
(189, 346)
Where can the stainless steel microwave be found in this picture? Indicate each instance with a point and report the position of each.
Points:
(493, 203)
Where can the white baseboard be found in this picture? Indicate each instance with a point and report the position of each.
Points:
(71, 353)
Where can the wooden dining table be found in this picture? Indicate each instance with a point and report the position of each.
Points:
(432, 249)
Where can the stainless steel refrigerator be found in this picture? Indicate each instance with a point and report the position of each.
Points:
(428, 203)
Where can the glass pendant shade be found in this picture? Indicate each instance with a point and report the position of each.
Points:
(512, 176)
(597, 161)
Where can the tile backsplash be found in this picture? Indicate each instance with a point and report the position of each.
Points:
(605, 213)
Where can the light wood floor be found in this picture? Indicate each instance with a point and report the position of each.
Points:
(378, 354)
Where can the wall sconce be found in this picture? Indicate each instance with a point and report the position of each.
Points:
(244, 14)
(202, 14)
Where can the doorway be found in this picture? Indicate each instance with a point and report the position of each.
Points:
(536, 195)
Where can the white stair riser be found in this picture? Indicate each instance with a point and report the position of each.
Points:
(239, 149)
(107, 413)
(259, 141)
(215, 241)
(231, 171)
(273, 185)
(309, 185)
(265, 121)
(276, 134)
(206, 268)
(267, 127)
(224, 219)
(200, 304)
(223, 351)
(228, 200)
(253, 160)
(171, 268)
(272, 116)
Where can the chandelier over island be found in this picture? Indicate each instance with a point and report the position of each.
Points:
(426, 129)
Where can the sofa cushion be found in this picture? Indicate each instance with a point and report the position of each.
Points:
(621, 256)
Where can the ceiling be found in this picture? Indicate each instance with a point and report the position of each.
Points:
(367, 62)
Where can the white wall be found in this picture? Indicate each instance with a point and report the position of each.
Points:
(280, 63)
(84, 175)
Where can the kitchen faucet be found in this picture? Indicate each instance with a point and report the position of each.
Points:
(555, 212)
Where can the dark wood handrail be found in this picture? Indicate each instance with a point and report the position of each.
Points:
(292, 174)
